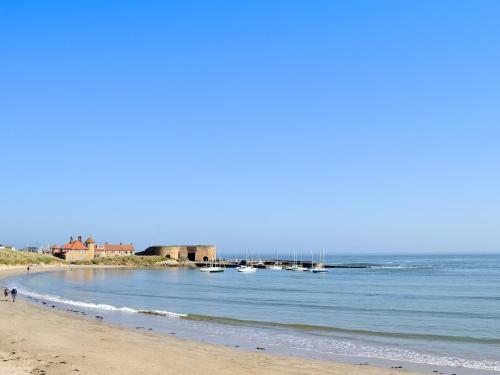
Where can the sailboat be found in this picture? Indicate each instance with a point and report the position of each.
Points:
(213, 267)
(296, 267)
(246, 268)
(219, 267)
(289, 268)
(276, 266)
(320, 268)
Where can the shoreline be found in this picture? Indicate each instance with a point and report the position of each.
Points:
(36, 340)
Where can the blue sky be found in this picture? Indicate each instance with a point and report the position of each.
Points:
(351, 126)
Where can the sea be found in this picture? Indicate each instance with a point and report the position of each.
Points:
(426, 313)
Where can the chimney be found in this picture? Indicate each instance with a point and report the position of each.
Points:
(71, 239)
(79, 238)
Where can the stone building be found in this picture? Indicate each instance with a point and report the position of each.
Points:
(88, 250)
(74, 250)
(109, 250)
(193, 253)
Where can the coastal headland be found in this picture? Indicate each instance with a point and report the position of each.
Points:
(39, 340)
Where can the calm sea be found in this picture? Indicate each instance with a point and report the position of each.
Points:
(425, 312)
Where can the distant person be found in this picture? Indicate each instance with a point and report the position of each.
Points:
(5, 292)
(13, 294)
(28, 268)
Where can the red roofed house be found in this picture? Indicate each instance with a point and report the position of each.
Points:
(110, 250)
(88, 250)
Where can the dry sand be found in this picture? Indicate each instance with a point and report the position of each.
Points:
(36, 340)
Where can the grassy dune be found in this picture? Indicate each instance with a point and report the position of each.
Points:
(132, 260)
(10, 257)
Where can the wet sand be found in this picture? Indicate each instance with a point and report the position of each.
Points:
(37, 340)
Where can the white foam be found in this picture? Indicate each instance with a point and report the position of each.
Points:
(327, 347)
(348, 348)
(97, 306)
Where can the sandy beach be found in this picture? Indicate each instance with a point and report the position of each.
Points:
(36, 340)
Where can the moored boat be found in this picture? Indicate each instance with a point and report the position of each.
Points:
(213, 267)
(246, 269)
(319, 268)
(298, 268)
(275, 267)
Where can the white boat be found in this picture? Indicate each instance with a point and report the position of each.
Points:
(296, 267)
(213, 267)
(217, 269)
(275, 267)
(246, 268)
(320, 268)
(289, 268)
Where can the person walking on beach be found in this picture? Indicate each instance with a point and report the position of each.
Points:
(5, 292)
(13, 294)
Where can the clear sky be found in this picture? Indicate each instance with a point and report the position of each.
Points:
(353, 126)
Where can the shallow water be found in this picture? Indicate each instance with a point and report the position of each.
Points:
(431, 311)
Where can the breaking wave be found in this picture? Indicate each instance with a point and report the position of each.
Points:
(97, 306)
